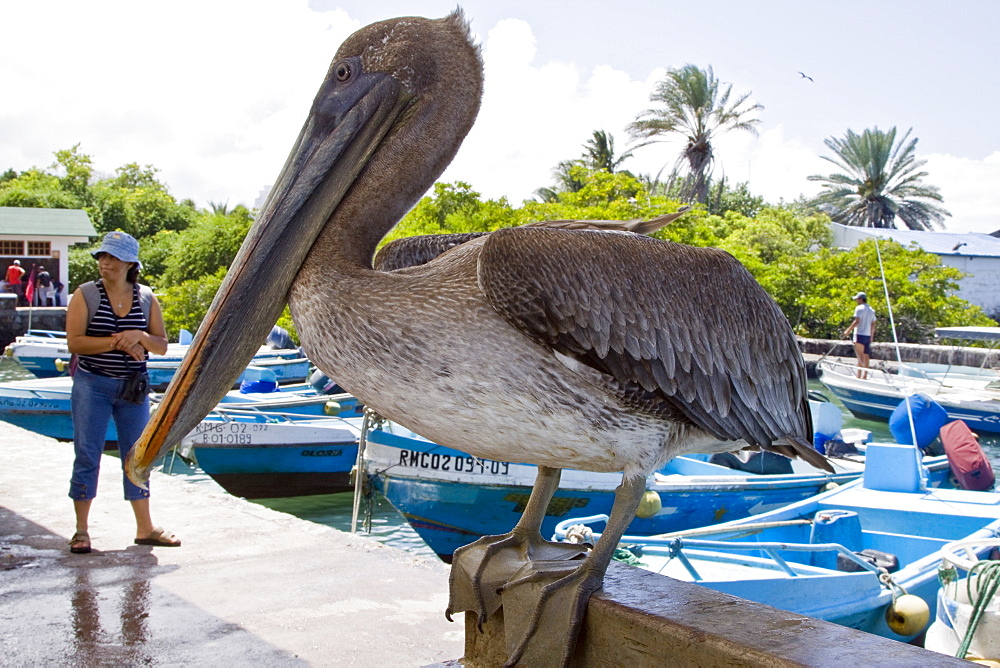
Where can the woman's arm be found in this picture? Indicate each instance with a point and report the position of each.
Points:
(76, 329)
(154, 339)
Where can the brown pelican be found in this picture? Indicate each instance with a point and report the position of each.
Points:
(597, 350)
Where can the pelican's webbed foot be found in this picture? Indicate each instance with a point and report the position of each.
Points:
(479, 570)
(544, 606)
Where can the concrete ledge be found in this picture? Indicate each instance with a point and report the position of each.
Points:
(644, 619)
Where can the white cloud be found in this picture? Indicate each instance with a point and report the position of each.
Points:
(214, 93)
(969, 188)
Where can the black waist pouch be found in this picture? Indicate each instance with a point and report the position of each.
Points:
(136, 387)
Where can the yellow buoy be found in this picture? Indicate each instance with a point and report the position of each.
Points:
(331, 408)
(60, 365)
(907, 615)
(649, 505)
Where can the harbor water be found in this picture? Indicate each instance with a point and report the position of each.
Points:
(380, 519)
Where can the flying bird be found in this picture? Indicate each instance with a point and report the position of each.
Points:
(603, 349)
(959, 245)
(806, 76)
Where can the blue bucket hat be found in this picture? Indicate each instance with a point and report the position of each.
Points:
(121, 245)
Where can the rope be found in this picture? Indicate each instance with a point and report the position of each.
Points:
(987, 583)
(370, 421)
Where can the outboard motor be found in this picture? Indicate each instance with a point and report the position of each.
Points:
(320, 382)
(279, 339)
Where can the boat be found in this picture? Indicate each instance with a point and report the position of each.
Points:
(43, 405)
(878, 394)
(967, 393)
(844, 555)
(451, 498)
(968, 603)
(258, 455)
(45, 354)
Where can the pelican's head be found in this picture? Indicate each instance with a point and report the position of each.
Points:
(398, 99)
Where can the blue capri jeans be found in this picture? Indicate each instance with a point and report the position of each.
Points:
(95, 401)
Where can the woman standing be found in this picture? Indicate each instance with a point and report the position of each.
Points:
(112, 345)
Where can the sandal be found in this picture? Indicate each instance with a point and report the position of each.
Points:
(159, 538)
(80, 543)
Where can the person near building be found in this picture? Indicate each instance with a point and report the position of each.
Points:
(14, 274)
(43, 287)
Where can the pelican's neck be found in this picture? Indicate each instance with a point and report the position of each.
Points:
(412, 156)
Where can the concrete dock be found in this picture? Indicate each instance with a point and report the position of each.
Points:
(248, 586)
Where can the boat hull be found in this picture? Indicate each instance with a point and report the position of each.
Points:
(451, 498)
(877, 397)
(804, 557)
(269, 460)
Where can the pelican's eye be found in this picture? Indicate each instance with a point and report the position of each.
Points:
(343, 71)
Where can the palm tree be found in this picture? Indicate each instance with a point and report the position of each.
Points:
(697, 105)
(880, 182)
(599, 153)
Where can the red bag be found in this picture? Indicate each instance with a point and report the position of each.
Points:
(966, 457)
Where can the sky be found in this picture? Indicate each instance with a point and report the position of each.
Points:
(214, 92)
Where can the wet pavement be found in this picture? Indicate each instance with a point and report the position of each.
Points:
(248, 585)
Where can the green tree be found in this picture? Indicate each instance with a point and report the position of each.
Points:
(880, 180)
(37, 189)
(185, 305)
(135, 201)
(571, 175)
(78, 169)
(599, 153)
(723, 198)
(455, 207)
(921, 291)
(697, 105)
(209, 244)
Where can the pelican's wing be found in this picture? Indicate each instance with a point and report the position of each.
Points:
(688, 325)
(414, 251)
(637, 225)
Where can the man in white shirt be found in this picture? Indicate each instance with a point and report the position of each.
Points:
(863, 326)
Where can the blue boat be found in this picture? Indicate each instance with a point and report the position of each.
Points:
(451, 498)
(842, 556)
(43, 405)
(963, 397)
(267, 455)
(45, 354)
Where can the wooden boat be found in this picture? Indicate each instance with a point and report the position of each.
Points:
(842, 555)
(451, 498)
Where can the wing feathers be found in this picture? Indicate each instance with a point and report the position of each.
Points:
(677, 321)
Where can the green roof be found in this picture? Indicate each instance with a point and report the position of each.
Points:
(45, 222)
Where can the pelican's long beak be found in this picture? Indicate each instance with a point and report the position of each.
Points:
(350, 116)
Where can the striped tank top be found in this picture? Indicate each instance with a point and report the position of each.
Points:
(105, 322)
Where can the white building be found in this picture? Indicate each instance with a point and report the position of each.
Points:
(978, 255)
(41, 238)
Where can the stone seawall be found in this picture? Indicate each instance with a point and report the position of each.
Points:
(909, 352)
(15, 321)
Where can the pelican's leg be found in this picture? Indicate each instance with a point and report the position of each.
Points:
(480, 569)
(542, 617)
